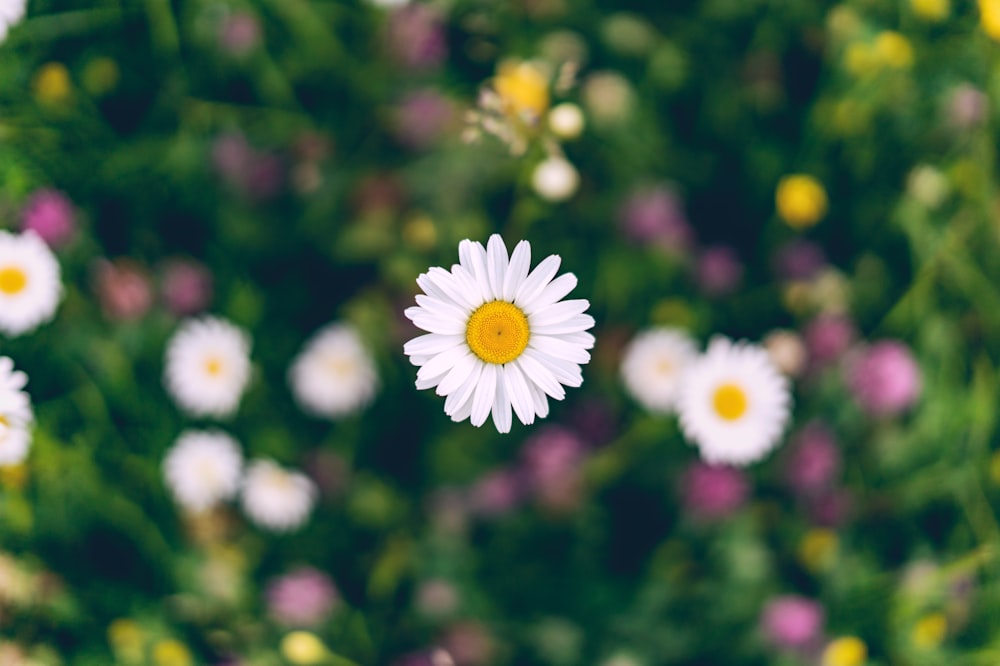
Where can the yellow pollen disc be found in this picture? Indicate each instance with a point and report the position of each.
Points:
(13, 280)
(730, 402)
(213, 366)
(497, 332)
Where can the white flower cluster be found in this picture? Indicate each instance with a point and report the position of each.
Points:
(207, 370)
(733, 402)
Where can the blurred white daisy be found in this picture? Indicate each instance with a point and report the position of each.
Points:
(203, 468)
(555, 179)
(734, 404)
(11, 12)
(498, 337)
(208, 367)
(653, 363)
(16, 416)
(275, 498)
(334, 374)
(30, 287)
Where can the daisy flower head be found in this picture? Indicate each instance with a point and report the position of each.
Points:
(652, 366)
(333, 375)
(30, 286)
(16, 416)
(208, 367)
(498, 336)
(734, 404)
(203, 468)
(275, 498)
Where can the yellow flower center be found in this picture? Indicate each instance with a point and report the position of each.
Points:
(213, 366)
(730, 402)
(13, 280)
(497, 332)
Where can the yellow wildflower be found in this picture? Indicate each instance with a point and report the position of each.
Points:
(303, 648)
(801, 200)
(818, 549)
(894, 50)
(52, 84)
(523, 89)
(930, 631)
(171, 652)
(845, 651)
(931, 10)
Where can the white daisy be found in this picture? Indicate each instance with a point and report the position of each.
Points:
(275, 498)
(499, 337)
(555, 179)
(208, 366)
(16, 416)
(652, 365)
(203, 468)
(11, 12)
(334, 374)
(30, 287)
(733, 403)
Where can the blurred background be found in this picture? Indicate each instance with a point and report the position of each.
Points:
(815, 177)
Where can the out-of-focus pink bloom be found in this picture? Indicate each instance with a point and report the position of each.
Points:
(831, 508)
(656, 215)
(423, 118)
(719, 271)
(813, 461)
(49, 213)
(377, 193)
(884, 378)
(123, 289)
(256, 174)
(329, 471)
(302, 598)
(713, 491)
(239, 33)
(497, 493)
(550, 453)
(799, 260)
(827, 337)
(967, 106)
(436, 597)
(792, 622)
(415, 36)
(186, 286)
(469, 644)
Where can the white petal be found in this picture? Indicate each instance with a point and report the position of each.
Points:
(537, 280)
(440, 364)
(441, 308)
(578, 323)
(552, 293)
(473, 258)
(517, 271)
(538, 374)
(557, 313)
(435, 324)
(431, 344)
(501, 406)
(517, 392)
(496, 264)
(482, 401)
(560, 348)
(566, 372)
(457, 399)
(581, 339)
(457, 375)
(463, 412)
(472, 292)
(450, 286)
(541, 402)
